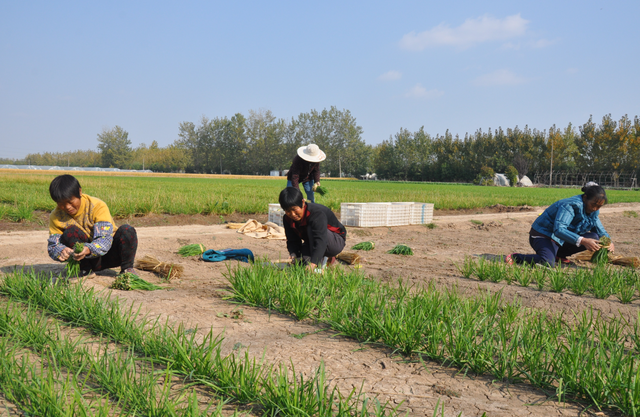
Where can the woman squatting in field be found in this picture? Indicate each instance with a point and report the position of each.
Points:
(566, 227)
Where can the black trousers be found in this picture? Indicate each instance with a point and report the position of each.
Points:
(335, 245)
(122, 252)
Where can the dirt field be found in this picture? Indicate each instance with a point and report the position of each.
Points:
(196, 300)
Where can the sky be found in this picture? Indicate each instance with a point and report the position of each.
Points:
(68, 70)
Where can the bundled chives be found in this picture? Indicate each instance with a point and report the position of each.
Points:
(195, 249)
(601, 257)
(364, 246)
(401, 250)
(72, 269)
(321, 190)
(128, 281)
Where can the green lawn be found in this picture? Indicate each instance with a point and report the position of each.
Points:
(22, 193)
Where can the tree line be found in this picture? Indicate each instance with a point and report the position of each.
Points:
(259, 143)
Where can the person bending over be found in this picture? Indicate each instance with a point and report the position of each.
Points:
(79, 217)
(314, 234)
(566, 227)
(305, 169)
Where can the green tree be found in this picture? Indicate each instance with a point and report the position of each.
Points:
(115, 147)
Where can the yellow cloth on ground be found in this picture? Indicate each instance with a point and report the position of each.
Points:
(269, 230)
(92, 210)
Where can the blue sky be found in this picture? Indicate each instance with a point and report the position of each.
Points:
(70, 69)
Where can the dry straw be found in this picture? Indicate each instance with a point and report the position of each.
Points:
(166, 270)
(349, 258)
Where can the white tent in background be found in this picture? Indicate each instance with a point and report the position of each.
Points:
(500, 180)
(525, 182)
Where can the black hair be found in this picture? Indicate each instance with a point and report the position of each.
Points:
(595, 193)
(63, 187)
(290, 197)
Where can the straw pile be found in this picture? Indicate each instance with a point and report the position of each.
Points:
(235, 225)
(165, 270)
(350, 258)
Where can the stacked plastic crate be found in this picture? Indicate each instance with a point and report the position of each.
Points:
(385, 214)
(275, 214)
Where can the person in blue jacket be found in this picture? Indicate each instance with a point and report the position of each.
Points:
(566, 227)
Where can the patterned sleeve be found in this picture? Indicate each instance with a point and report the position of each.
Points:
(54, 247)
(102, 239)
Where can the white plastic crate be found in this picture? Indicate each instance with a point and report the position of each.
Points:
(399, 214)
(385, 214)
(421, 213)
(364, 214)
(275, 214)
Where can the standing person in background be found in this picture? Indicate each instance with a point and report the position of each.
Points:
(305, 169)
(566, 227)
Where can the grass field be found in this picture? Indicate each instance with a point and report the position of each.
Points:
(23, 192)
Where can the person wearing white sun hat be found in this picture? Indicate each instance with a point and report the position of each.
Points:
(305, 169)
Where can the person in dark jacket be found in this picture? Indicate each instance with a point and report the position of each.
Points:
(566, 227)
(305, 169)
(314, 234)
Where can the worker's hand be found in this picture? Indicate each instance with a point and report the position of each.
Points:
(64, 255)
(591, 244)
(292, 257)
(611, 247)
(315, 186)
(311, 266)
(80, 256)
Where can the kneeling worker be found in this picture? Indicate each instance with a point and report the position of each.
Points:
(314, 234)
(79, 217)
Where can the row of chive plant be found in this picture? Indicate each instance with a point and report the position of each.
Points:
(100, 381)
(601, 281)
(199, 361)
(588, 359)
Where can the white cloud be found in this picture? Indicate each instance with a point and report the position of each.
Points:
(472, 31)
(418, 91)
(390, 76)
(499, 77)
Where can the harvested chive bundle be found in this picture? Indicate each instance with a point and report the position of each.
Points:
(369, 245)
(72, 269)
(321, 190)
(195, 249)
(401, 250)
(128, 281)
(165, 270)
(601, 257)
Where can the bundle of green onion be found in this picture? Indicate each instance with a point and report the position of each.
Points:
(72, 268)
(128, 281)
(195, 249)
(364, 246)
(321, 190)
(401, 250)
(601, 257)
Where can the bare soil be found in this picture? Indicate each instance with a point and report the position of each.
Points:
(197, 301)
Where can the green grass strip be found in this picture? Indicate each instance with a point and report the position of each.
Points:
(42, 391)
(240, 379)
(585, 360)
(135, 385)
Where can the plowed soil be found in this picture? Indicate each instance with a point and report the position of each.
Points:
(197, 301)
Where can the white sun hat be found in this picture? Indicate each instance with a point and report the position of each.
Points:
(311, 153)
